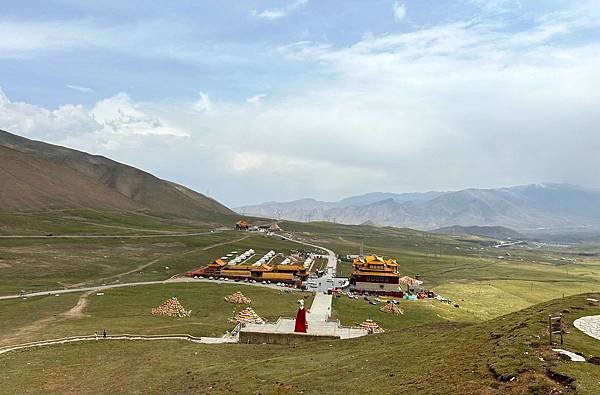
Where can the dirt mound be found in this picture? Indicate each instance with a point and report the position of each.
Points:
(238, 298)
(391, 308)
(172, 308)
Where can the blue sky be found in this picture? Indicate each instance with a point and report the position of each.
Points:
(270, 100)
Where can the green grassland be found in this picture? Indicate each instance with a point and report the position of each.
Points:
(508, 354)
(127, 310)
(467, 269)
(53, 263)
(86, 221)
(90, 221)
(352, 312)
(496, 332)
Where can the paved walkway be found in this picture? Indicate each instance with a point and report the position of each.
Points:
(320, 310)
(77, 339)
(589, 325)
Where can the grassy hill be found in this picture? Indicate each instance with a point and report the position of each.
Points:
(507, 355)
(492, 232)
(37, 175)
(33, 183)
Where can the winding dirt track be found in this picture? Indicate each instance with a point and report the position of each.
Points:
(37, 326)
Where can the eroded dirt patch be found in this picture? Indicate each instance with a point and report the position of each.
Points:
(29, 331)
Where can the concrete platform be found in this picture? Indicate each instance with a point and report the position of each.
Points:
(315, 328)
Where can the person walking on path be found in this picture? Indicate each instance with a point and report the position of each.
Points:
(104, 334)
(96, 335)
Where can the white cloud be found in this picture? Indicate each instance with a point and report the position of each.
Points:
(149, 39)
(80, 88)
(203, 104)
(268, 14)
(399, 10)
(280, 12)
(498, 6)
(256, 99)
(451, 106)
(121, 116)
(109, 122)
(31, 120)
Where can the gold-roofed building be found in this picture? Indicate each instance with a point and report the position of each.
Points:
(373, 273)
(289, 274)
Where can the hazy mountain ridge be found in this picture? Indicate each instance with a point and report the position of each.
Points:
(88, 180)
(524, 208)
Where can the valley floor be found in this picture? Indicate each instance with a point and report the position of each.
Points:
(494, 342)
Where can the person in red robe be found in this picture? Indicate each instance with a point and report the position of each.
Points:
(301, 323)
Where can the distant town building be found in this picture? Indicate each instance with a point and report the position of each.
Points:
(373, 273)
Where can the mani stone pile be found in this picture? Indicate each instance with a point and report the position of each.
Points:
(391, 308)
(237, 298)
(171, 308)
(371, 327)
(247, 316)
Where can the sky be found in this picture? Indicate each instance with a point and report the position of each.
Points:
(253, 101)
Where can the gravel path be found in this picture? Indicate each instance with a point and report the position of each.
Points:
(589, 325)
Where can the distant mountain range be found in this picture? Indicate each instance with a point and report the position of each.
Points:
(527, 208)
(39, 176)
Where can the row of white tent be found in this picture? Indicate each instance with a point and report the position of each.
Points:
(242, 257)
(266, 258)
(308, 262)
